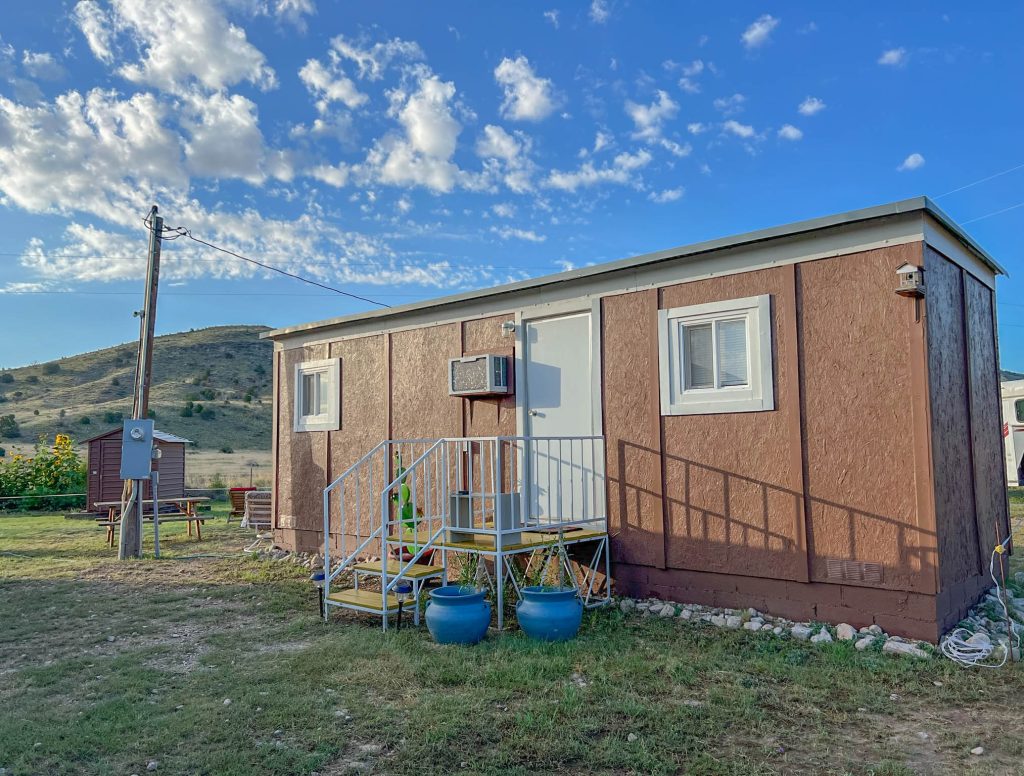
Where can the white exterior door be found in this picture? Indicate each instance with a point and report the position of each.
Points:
(559, 404)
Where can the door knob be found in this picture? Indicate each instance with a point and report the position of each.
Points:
(534, 413)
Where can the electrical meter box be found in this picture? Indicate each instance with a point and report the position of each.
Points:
(137, 450)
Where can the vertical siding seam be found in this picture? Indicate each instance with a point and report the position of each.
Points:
(999, 400)
(927, 516)
(970, 418)
(666, 516)
(275, 431)
(800, 425)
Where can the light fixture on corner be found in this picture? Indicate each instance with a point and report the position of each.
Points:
(508, 328)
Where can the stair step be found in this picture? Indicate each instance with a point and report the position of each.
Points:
(362, 599)
(416, 571)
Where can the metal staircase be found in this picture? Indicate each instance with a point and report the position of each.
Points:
(407, 504)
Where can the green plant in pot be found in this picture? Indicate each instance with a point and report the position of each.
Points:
(407, 514)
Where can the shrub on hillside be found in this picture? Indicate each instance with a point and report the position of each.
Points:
(51, 369)
(207, 414)
(9, 427)
(111, 416)
(85, 420)
(227, 449)
(32, 379)
(6, 377)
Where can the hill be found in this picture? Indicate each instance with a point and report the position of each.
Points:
(212, 386)
(1006, 375)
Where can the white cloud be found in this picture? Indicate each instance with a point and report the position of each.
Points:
(294, 11)
(330, 84)
(528, 97)
(696, 67)
(422, 154)
(622, 170)
(789, 132)
(740, 130)
(730, 106)
(372, 61)
(668, 195)
(649, 119)
(225, 139)
(893, 57)
(404, 205)
(178, 43)
(810, 106)
(42, 65)
(507, 156)
(758, 33)
(697, 127)
(552, 16)
(504, 210)
(599, 11)
(95, 26)
(602, 140)
(649, 122)
(333, 175)
(912, 162)
(508, 233)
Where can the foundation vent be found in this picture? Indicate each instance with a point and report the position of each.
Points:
(852, 571)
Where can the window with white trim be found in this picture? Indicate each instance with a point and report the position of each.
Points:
(318, 395)
(716, 357)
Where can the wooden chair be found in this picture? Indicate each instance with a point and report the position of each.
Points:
(258, 516)
(237, 496)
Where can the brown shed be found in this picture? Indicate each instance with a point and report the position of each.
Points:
(104, 481)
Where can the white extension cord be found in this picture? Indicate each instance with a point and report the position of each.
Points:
(957, 647)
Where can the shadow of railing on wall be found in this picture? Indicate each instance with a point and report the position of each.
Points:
(727, 522)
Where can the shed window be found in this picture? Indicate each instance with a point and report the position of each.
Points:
(318, 395)
(716, 357)
(1019, 405)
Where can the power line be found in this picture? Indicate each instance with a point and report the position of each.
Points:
(183, 232)
(980, 180)
(70, 292)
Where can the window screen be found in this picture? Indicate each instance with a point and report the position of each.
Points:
(699, 356)
(732, 352)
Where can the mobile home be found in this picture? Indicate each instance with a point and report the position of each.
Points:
(1013, 430)
(803, 419)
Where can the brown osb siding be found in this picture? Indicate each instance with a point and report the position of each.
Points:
(733, 492)
(302, 457)
(969, 479)
(951, 428)
(401, 396)
(629, 340)
(856, 340)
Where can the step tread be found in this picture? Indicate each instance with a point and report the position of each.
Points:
(367, 599)
(416, 571)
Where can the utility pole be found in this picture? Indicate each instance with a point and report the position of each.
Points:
(130, 540)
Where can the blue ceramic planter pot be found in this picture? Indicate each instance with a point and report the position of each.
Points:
(550, 613)
(458, 614)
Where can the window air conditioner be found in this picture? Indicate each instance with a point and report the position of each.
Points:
(478, 375)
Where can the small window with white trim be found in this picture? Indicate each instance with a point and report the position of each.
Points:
(716, 357)
(318, 395)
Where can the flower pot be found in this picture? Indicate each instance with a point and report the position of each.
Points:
(458, 614)
(550, 613)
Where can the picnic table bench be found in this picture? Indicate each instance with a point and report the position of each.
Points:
(185, 507)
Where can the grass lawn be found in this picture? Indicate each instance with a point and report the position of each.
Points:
(106, 666)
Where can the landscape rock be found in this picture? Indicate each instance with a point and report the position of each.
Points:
(632, 737)
(627, 605)
(822, 636)
(800, 632)
(980, 640)
(668, 610)
(718, 620)
(978, 750)
(845, 632)
(685, 614)
(892, 647)
(752, 625)
(864, 643)
(152, 765)
(733, 622)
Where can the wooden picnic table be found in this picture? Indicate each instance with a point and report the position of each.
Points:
(186, 506)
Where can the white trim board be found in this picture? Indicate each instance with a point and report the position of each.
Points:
(837, 241)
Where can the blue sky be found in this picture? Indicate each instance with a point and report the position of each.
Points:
(405, 150)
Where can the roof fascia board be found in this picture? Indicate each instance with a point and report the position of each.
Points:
(823, 244)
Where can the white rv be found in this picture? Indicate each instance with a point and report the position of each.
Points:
(1013, 430)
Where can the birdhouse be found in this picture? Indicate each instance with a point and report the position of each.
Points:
(911, 281)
